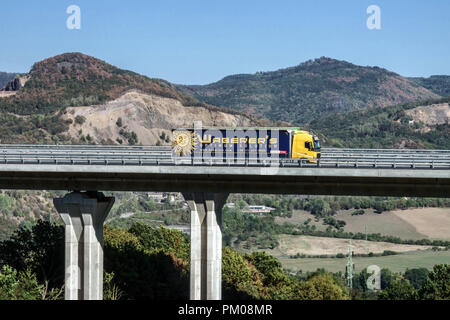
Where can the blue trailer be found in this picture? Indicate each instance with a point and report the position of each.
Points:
(250, 142)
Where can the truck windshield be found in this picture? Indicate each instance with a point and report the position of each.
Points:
(316, 145)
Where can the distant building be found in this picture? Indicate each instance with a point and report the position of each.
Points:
(230, 205)
(162, 197)
(156, 196)
(183, 228)
(258, 210)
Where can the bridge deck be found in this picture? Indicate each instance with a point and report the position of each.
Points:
(148, 168)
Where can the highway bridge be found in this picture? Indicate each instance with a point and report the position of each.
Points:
(205, 183)
(146, 168)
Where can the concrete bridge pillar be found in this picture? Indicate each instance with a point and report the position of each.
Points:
(84, 214)
(206, 244)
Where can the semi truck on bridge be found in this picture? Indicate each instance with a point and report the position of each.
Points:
(251, 142)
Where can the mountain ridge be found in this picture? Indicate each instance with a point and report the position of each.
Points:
(439, 84)
(35, 107)
(5, 77)
(310, 90)
(75, 98)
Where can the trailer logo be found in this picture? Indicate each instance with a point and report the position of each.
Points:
(183, 142)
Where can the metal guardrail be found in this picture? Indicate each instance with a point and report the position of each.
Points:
(153, 155)
(386, 154)
(321, 163)
(81, 147)
(331, 150)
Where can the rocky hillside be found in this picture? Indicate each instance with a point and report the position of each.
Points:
(137, 117)
(311, 90)
(430, 115)
(75, 98)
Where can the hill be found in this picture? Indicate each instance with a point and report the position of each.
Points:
(148, 116)
(75, 79)
(5, 77)
(43, 105)
(410, 125)
(439, 84)
(311, 90)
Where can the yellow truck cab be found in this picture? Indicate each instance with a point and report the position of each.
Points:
(305, 145)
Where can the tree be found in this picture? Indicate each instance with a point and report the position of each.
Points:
(269, 266)
(321, 287)
(399, 289)
(19, 285)
(40, 250)
(143, 273)
(416, 276)
(318, 207)
(437, 284)
(240, 278)
(162, 238)
(386, 278)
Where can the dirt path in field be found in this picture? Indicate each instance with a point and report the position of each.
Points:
(291, 245)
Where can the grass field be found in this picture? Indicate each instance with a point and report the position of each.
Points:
(410, 224)
(434, 223)
(386, 223)
(396, 263)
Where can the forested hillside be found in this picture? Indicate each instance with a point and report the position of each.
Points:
(439, 84)
(390, 127)
(311, 90)
(38, 111)
(75, 79)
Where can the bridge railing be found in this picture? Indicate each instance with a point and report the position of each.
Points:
(145, 160)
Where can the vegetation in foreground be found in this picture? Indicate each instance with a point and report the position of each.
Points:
(153, 263)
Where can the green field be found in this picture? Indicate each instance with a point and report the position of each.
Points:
(386, 223)
(410, 224)
(396, 263)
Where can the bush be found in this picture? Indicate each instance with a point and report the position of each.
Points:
(19, 285)
(80, 120)
(388, 253)
(358, 212)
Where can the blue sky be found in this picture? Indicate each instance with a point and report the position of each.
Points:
(199, 42)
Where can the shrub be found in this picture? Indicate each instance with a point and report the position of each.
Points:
(80, 120)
